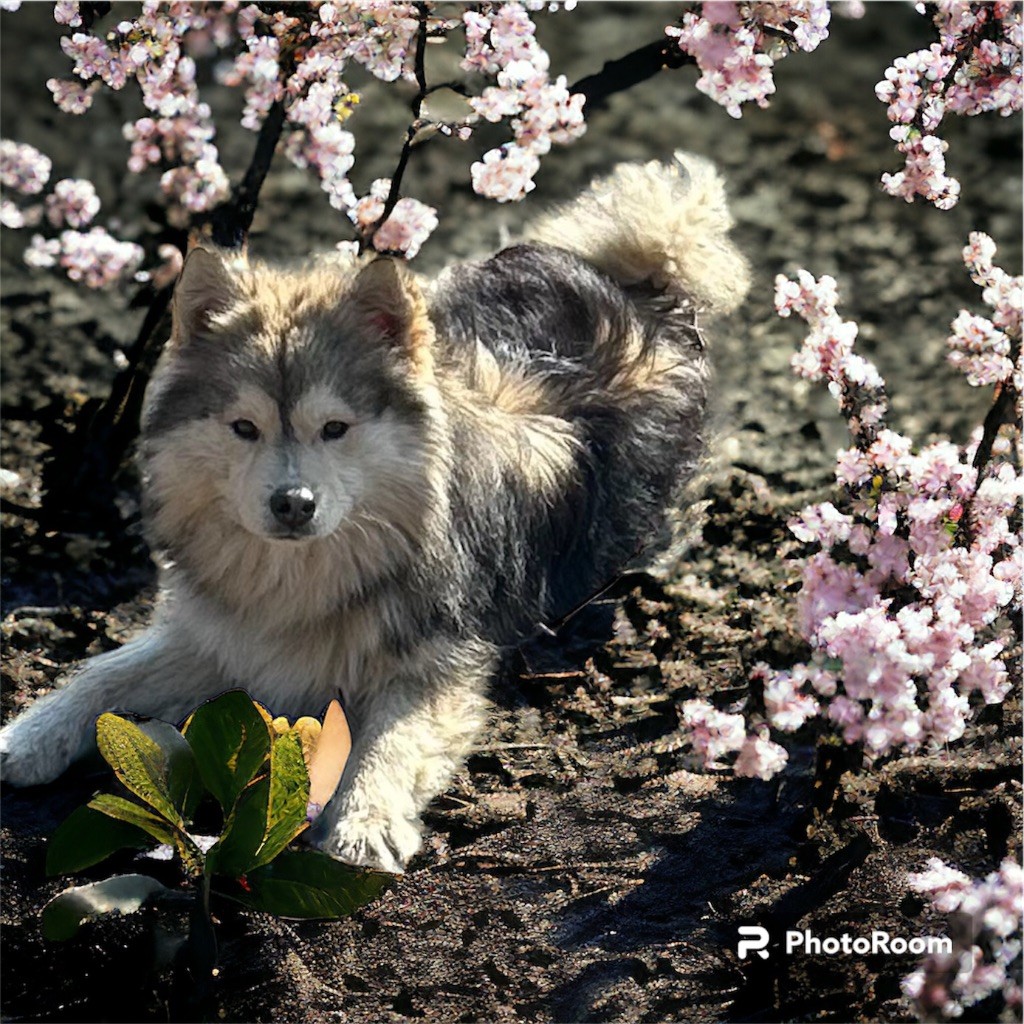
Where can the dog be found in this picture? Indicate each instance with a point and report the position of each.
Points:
(364, 483)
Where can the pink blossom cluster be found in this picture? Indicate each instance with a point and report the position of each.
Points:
(975, 67)
(986, 955)
(381, 37)
(500, 40)
(73, 202)
(505, 173)
(72, 97)
(827, 353)
(298, 56)
(95, 258)
(714, 734)
(736, 44)
(988, 350)
(23, 168)
(409, 226)
(378, 34)
(151, 49)
(904, 603)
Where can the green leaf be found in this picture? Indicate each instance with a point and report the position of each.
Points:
(289, 797)
(139, 762)
(309, 884)
(88, 836)
(128, 811)
(183, 781)
(269, 814)
(231, 742)
(122, 894)
(244, 832)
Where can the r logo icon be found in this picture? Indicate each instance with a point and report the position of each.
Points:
(756, 943)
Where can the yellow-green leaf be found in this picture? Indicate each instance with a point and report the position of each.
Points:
(138, 762)
(183, 781)
(289, 797)
(268, 815)
(129, 811)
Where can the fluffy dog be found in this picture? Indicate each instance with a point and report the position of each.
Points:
(364, 483)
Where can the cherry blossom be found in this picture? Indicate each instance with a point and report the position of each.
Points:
(72, 97)
(505, 174)
(902, 602)
(500, 40)
(711, 733)
(988, 350)
(405, 230)
(974, 68)
(760, 758)
(986, 954)
(73, 202)
(23, 168)
(736, 45)
(96, 258)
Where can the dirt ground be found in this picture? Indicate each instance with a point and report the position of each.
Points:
(579, 869)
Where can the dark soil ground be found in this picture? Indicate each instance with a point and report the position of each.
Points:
(579, 869)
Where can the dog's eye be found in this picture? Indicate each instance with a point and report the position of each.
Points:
(333, 429)
(246, 430)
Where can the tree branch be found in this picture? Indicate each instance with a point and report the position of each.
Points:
(1000, 412)
(232, 220)
(395, 191)
(632, 69)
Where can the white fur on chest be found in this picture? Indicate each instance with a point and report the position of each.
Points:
(294, 668)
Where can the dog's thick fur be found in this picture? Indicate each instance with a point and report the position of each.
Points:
(516, 431)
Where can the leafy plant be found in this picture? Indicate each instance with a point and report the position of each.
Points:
(269, 778)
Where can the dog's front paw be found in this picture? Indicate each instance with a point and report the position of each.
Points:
(374, 842)
(32, 755)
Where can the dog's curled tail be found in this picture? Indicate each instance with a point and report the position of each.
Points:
(667, 224)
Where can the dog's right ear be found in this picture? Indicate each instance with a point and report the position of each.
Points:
(207, 286)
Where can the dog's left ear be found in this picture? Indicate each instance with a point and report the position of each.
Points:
(391, 304)
(207, 286)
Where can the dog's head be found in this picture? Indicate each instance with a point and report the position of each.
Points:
(290, 404)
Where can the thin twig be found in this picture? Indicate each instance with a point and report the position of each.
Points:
(1000, 412)
(987, 28)
(395, 191)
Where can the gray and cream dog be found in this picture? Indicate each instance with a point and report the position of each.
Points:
(363, 482)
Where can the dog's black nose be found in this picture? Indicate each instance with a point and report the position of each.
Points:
(293, 506)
